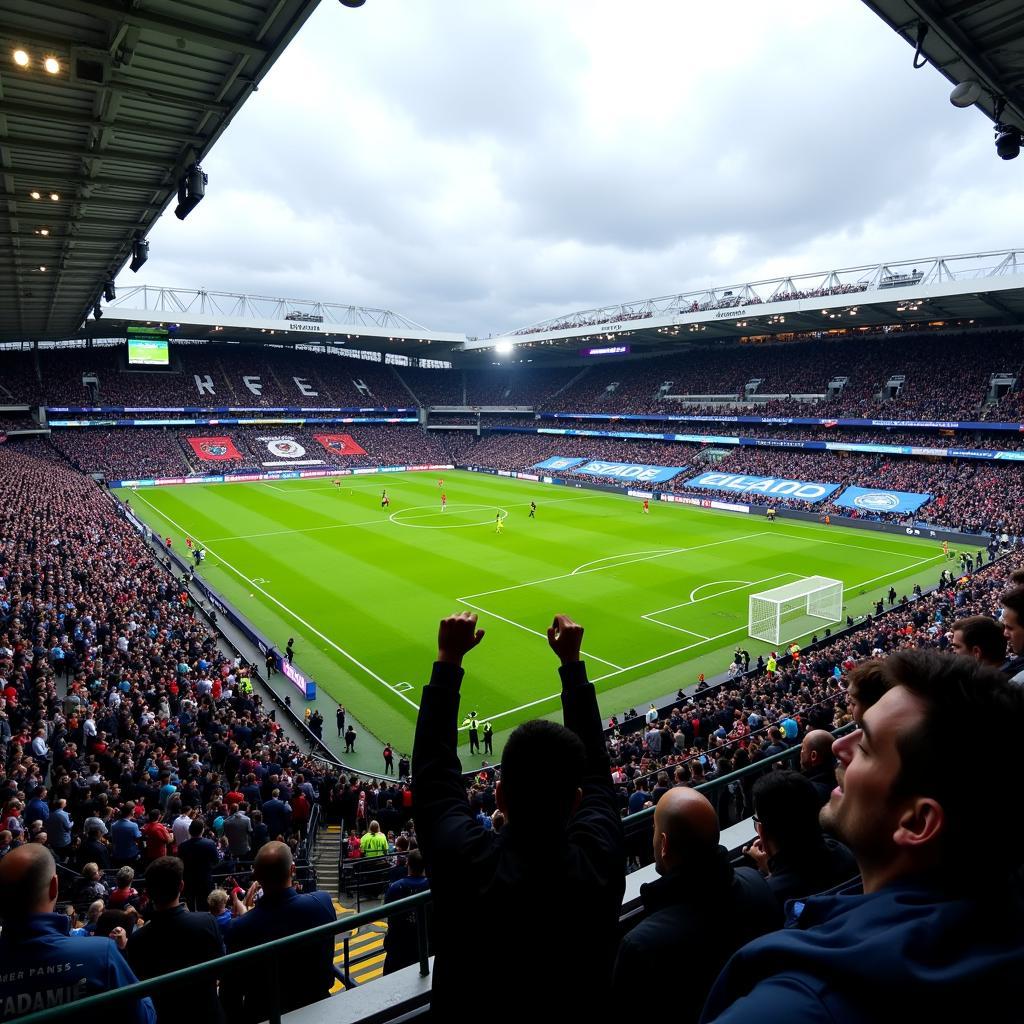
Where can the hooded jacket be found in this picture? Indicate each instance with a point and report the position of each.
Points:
(914, 950)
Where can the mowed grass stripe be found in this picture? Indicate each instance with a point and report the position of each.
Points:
(377, 588)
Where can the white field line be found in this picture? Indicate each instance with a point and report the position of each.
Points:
(713, 583)
(366, 522)
(654, 552)
(711, 597)
(302, 622)
(842, 543)
(580, 571)
(535, 632)
(721, 636)
(678, 629)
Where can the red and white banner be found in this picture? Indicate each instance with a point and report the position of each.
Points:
(214, 449)
(339, 444)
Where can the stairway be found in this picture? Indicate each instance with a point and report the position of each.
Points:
(366, 945)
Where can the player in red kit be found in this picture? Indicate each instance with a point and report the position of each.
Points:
(444, 501)
(646, 507)
(188, 543)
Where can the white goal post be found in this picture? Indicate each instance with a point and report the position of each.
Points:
(786, 612)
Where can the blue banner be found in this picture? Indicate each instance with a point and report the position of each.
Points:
(876, 501)
(769, 486)
(801, 421)
(628, 471)
(557, 462)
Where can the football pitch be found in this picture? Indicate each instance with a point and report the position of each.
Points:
(662, 596)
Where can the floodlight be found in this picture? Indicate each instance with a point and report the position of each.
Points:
(21, 58)
(96, 311)
(108, 291)
(52, 65)
(191, 189)
(1008, 140)
(140, 253)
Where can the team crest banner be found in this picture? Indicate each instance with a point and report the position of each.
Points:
(283, 447)
(339, 444)
(876, 501)
(214, 449)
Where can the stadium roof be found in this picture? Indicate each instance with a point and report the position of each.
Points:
(980, 287)
(228, 316)
(967, 40)
(134, 94)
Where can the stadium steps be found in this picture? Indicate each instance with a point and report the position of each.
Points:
(568, 384)
(325, 859)
(401, 380)
(365, 950)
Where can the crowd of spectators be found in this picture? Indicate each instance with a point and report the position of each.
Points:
(974, 495)
(730, 299)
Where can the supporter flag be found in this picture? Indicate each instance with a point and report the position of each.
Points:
(214, 449)
(339, 444)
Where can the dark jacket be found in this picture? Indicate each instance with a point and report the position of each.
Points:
(306, 972)
(912, 951)
(696, 917)
(170, 940)
(515, 878)
(42, 966)
(816, 869)
(199, 855)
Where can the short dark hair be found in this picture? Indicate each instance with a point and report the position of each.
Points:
(1014, 600)
(963, 697)
(871, 681)
(541, 752)
(787, 805)
(984, 633)
(163, 879)
(197, 827)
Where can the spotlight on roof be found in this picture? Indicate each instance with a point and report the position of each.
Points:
(966, 94)
(96, 311)
(352, 3)
(503, 348)
(140, 253)
(1008, 141)
(52, 65)
(191, 189)
(55, 196)
(21, 58)
(108, 291)
(34, 194)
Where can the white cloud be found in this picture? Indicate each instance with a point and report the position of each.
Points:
(478, 166)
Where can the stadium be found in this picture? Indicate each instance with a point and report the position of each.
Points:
(787, 512)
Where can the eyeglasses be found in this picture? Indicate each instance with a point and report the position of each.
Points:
(755, 819)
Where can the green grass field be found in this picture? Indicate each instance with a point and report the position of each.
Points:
(662, 596)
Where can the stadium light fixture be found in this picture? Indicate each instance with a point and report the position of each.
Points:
(43, 231)
(353, 4)
(97, 312)
(108, 291)
(140, 253)
(191, 189)
(21, 58)
(55, 196)
(35, 195)
(1008, 141)
(966, 94)
(52, 65)
(503, 348)
(42, 269)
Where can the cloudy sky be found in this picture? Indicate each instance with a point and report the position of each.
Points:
(478, 166)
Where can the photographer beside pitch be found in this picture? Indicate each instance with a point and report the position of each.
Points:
(561, 851)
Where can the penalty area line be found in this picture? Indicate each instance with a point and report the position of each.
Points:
(301, 621)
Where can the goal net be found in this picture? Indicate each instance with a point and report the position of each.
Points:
(790, 611)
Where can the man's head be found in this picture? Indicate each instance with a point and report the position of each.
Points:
(1013, 618)
(195, 829)
(28, 882)
(541, 750)
(904, 804)
(685, 829)
(415, 864)
(981, 638)
(164, 882)
(864, 686)
(816, 751)
(274, 867)
(786, 811)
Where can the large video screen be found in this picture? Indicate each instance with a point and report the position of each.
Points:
(147, 346)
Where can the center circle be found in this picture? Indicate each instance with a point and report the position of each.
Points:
(399, 518)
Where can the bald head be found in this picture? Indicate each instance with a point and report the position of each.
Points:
(28, 882)
(685, 825)
(816, 750)
(273, 867)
